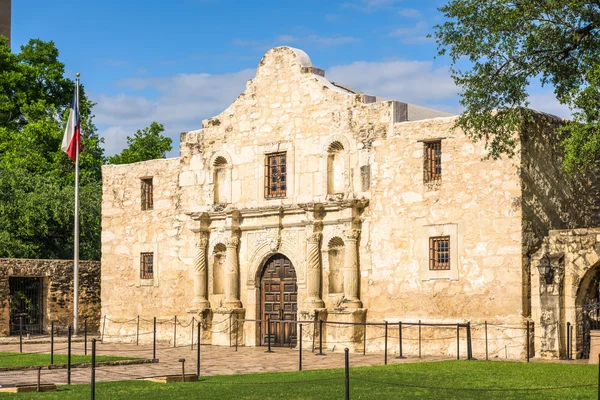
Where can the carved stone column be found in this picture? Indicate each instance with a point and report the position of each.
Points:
(351, 274)
(200, 301)
(231, 274)
(313, 272)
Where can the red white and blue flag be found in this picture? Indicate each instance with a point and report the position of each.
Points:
(71, 142)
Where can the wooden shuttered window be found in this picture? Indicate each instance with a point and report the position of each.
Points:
(275, 175)
(432, 168)
(147, 194)
(147, 265)
(439, 253)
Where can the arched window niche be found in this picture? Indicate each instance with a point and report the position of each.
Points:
(336, 180)
(335, 255)
(221, 166)
(219, 268)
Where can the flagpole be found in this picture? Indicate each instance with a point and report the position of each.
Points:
(76, 241)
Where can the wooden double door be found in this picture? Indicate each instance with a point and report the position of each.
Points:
(279, 301)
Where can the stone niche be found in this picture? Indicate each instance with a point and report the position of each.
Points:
(56, 291)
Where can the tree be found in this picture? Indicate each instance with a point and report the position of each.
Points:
(36, 176)
(509, 43)
(146, 144)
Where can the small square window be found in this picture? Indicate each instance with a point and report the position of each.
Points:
(439, 253)
(275, 175)
(147, 265)
(432, 167)
(147, 194)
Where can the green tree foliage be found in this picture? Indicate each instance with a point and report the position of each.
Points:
(498, 47)
(146, 144)
(36, 176)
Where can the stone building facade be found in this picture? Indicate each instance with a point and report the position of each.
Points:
(47, 286)
(307, 199)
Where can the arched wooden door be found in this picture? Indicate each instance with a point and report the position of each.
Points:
(279, 301)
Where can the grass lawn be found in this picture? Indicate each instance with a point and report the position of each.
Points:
(441, 380)
(29, 359)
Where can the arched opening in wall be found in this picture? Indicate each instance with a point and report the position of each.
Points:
(587, 310)
(335, 168)
(335, 254)
(219, 268)
(279, 301)
(220, 180)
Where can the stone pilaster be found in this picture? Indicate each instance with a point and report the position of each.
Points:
(351, 273)
(313, 272)
(232, 274)
(200, 301)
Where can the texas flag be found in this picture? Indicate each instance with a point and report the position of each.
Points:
(72, 136)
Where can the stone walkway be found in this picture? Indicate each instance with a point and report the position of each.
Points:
(215, 360)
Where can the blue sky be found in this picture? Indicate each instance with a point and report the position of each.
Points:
(180, 61)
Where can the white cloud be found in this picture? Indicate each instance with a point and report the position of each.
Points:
(183, 101)
(180, 102)
(371, 5)
(411, 81)
(546, 101)
(410, 13)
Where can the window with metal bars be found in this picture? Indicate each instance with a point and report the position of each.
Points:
(146, 265)
(432, 168)
(147, 194)
(275, 175)
(439, 253)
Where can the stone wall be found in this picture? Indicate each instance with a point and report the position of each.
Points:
(57, 292)
(5, 18)
(212, 230)
(552, 199)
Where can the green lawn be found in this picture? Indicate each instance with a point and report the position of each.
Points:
(30, 359)
(442, 380)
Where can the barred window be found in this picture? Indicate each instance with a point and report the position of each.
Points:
(439, 253)
(275, 175)
(147, 265)
(432, 168)
(147, 194)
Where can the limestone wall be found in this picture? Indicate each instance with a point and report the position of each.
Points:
(127, 231)
(57, 290)
(210, 209)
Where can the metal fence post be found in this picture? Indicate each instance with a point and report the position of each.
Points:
(182, 361)
(419, 338)
(347, 372)
(571, 343)
(486, 342)
(527, 338)
(192, 334)
(365, 338)
(154, 341)
(137, 332)
(52, 343)
(21, 334)
(400, 340)
(458, 341)
(269, 335)
(229, 329)
(39, 379)
(175, 333)
(85, 337)
(385, 344)
(103, 325)
(198, 351)
(568, 340)
(598, 376)
(236, 334)
(93, 380)
(320, 353)
(70, 330)
(469, 344)
(300, 357)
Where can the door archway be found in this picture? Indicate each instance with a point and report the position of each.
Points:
(588, 310)
(279, 301)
